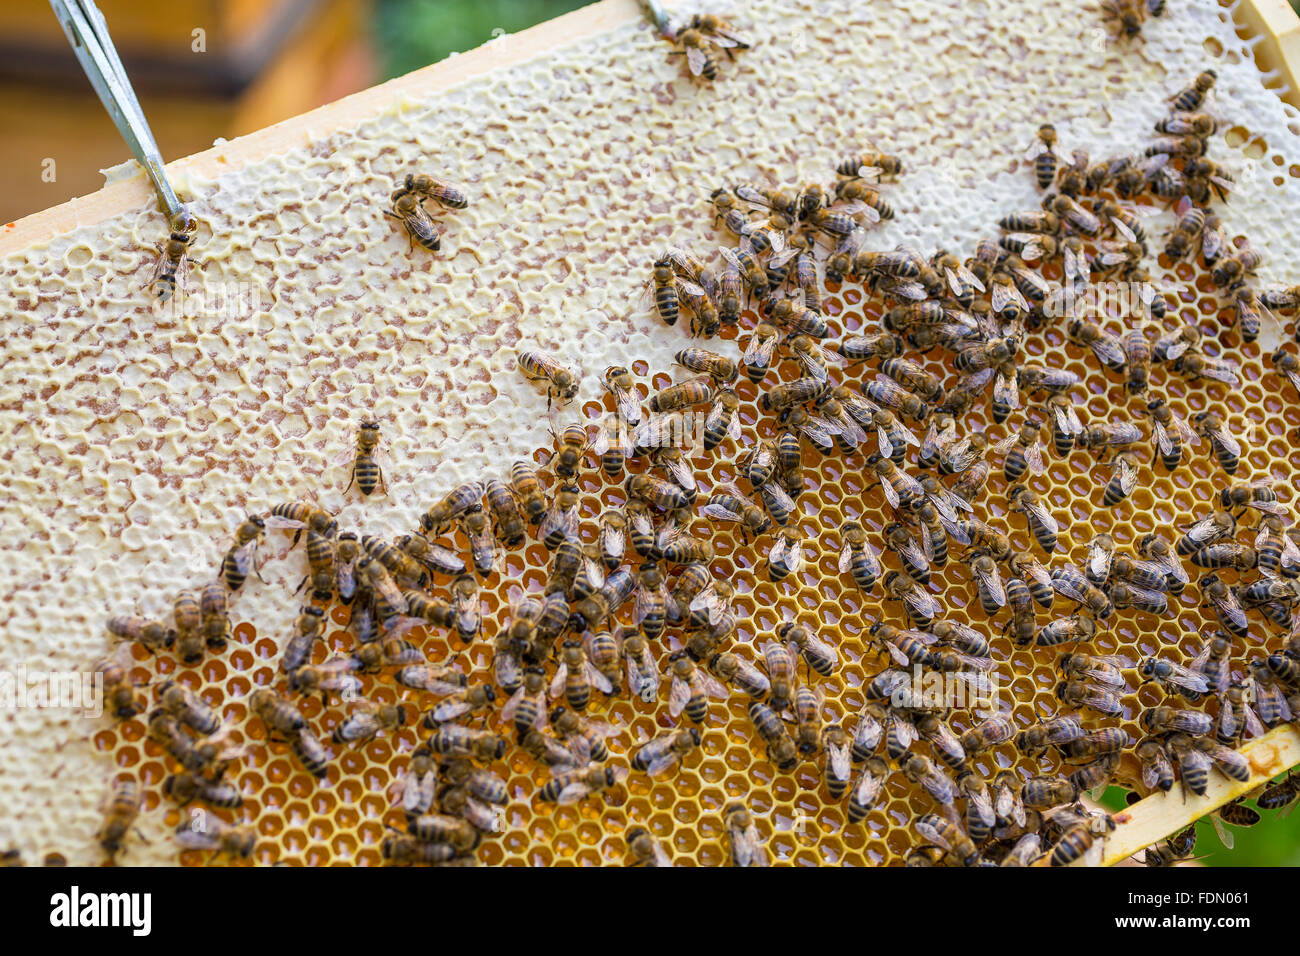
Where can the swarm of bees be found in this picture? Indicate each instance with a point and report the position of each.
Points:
(635, 604)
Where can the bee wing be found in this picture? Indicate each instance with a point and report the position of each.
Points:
(1005, 295)
(839, 761)
(1038, 511)
(1221, 371)
(819, 430)
(1186, 677)
(991, 582)
(759, 350)
(1128, 476)
(1075, 265)
(899, 657)
(557, 682)
(597, 679)
(981, 803)
(511, 705)
(904, 729)
(1109, 350)
(780, 256)
(955, 531)
(1007, 391)
(911, 552)
(906, 290)
(711, 685)
(678, 694)
(560, 519)
(1231, 609)
(923, 604)
(1000, 448)
(696, 58)
(663, 763)
(883, 445)
(867, 733)
(188, 836)
(719, 512)
(731, 257)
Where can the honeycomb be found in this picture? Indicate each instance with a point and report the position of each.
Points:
(139, 439)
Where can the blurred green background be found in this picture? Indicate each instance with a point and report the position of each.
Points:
(414, 33)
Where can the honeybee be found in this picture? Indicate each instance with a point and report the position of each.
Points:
(297, 515)
(366, 471)
(1280, 793)
(526, 708)
(404, 850)
(461, 701)
(561, 384)
(367, 720)
(1044, 154)
(1193, 765)
(645, 849)
(1192, 97)
(1058, 730)
(665, 286)
(1071, 583)
(187, 618)
(154, 635)
(982, 536)
(457, 740)
(1227, 450)
(561, 521)
(119, 689)
(218, 836)
(186, 787)
(992, 593)
(1125, 479)
(435, 679)
(858, 557)
(1078, 842)
(1236, 717)
(781, 748)
(1161, 720)
(746, 845)
(704, 314)
(1275, 552)
(586, 738)
(1169, 433)
(1108, 349)
(241, 557)
(576, 675)
(1234, 268)
(1187, 229)
(1271, 704)
(870, 165)
(188, 707)
(1257, 494)
(120, 808)
(920, 606)
(428, 187)
(663, 753)
(172, 265)
(574, 785)
(643, 677)
(1218, 526)
(922, 771)
(1042, 793)
(410, 212)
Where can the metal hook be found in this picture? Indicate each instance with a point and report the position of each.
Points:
(88, 33)
(656, 14)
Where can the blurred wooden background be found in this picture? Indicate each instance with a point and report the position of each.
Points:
(262, 61)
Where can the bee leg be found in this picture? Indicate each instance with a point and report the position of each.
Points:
(352, 477)
(383, 486)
